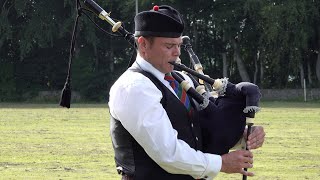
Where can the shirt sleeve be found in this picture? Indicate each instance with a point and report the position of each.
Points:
(137, 105)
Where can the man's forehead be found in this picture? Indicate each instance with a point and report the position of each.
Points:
(169, 40)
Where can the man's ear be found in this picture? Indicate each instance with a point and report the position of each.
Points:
(140, 39)
(142, 42)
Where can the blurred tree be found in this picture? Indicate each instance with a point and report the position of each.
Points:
(275, 44)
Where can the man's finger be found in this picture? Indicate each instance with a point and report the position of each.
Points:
(248, 154)
(257, 132)
(247, 173)
(248, 160)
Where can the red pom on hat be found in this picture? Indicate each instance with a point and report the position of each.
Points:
(155, 8)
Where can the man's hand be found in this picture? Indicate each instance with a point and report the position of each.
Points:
(256, 137)
(235, 161)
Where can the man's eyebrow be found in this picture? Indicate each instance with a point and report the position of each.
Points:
(167, 43)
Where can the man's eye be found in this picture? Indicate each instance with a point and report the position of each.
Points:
(169, 46)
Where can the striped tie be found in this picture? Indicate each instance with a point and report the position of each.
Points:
(181, 93)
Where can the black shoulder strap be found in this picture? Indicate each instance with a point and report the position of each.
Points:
(156, 82)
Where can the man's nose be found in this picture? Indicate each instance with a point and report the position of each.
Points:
(177, 51)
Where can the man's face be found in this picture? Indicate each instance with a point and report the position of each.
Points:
(162, 50)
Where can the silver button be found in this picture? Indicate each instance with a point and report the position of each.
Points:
(197, 138)
(192, 125)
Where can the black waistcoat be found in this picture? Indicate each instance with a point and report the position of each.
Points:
(130, 157)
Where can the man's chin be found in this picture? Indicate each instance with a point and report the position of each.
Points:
(168, 70)
(171, 68)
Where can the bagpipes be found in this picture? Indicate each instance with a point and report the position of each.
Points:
(224, 122)
(223, 118)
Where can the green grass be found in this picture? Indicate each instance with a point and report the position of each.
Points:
(45, 141)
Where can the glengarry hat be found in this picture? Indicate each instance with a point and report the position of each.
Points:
(161, 21)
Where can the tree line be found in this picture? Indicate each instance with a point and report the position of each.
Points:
(272, 43)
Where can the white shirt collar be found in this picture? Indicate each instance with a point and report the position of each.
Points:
(146, 66)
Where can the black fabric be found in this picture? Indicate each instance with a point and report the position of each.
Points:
(133, 58)
(132, 158)
(222, 127)
(65, 98)
(126, 177)
(163, 21)
(249, 90)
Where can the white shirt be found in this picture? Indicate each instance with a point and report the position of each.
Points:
(135, 102)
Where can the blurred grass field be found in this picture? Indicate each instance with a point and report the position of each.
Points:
(45, 141)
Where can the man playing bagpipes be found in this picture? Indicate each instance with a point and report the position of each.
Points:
(155, 126)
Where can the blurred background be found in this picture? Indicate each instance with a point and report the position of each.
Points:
(272, 43)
